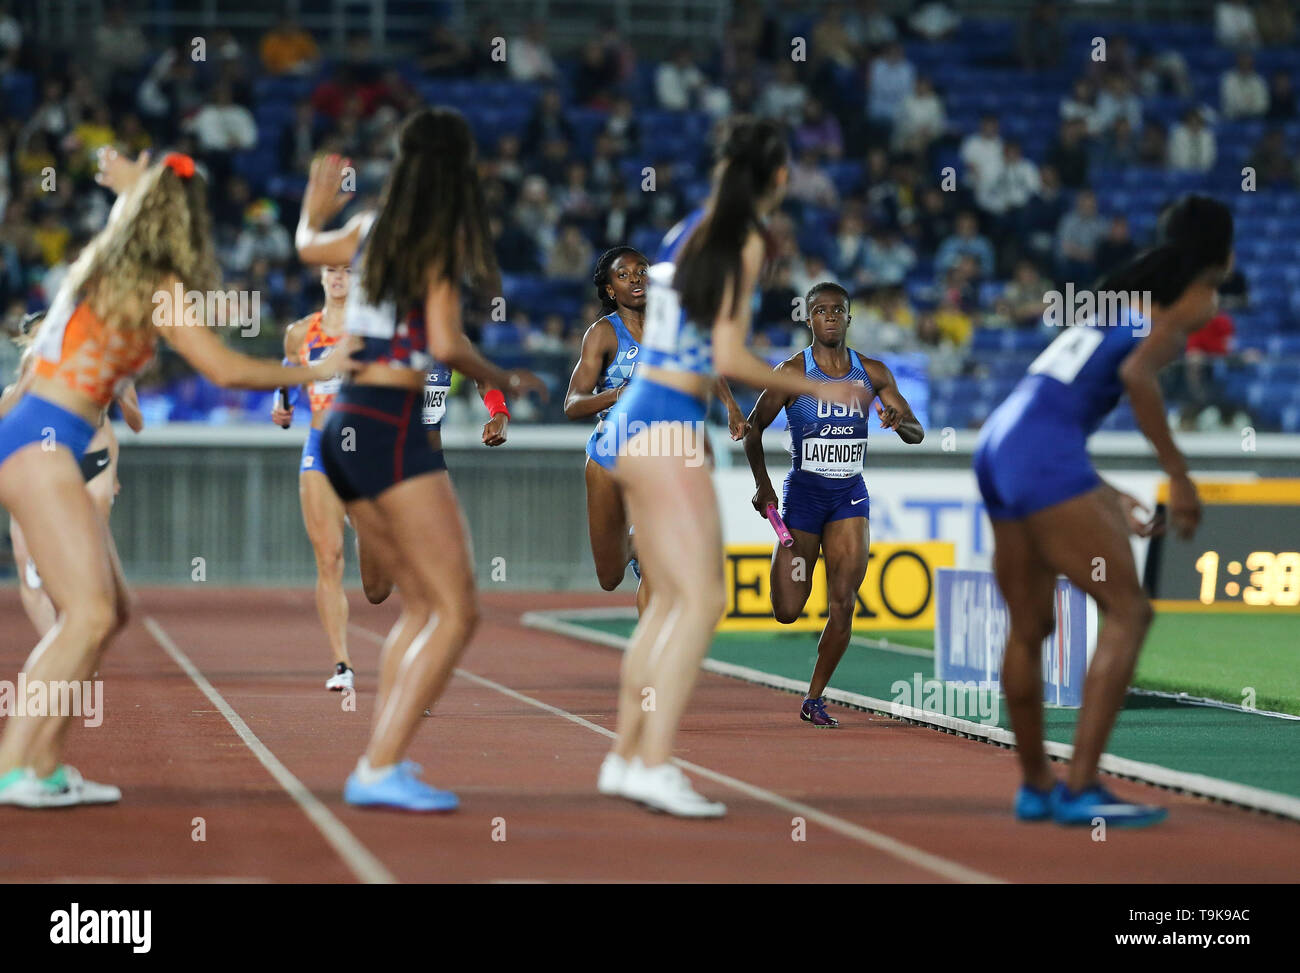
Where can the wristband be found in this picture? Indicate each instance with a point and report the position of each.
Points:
(496, 404)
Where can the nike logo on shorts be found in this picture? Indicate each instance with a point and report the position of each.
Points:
(102, 462)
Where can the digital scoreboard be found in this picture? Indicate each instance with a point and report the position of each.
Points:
(1246, 551)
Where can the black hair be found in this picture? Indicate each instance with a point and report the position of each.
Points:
(601, 277)
(1192, 235)
(826, 285)
(432, 215)
(749, 156)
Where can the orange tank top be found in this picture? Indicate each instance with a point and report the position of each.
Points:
(92, 358)
(316, 344)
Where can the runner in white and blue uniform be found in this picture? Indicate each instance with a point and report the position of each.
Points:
(698, 312)
(1052, 514)
(609, 357)
(825, 506)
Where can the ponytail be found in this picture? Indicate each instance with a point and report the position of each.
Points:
(709, 264)
(1192, 235)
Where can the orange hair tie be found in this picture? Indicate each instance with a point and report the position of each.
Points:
(180, 164)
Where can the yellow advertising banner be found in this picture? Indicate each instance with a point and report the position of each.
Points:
(897, 592)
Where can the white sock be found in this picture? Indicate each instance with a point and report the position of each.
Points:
(370, 775)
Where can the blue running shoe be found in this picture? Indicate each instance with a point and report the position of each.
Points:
(1033, 804)
(399, 788)
(1082, 809)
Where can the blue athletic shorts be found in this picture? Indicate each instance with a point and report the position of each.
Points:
(375, 438)
(311, 458)
(645, 404)
(1028, 461)
(37, 420)
(593, 449)
(809, 502)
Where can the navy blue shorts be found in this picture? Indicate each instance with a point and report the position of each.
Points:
(809, 502)
(374, 439)
(37, 420)
(1029, 461)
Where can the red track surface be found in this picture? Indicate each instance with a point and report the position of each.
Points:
(177, 758)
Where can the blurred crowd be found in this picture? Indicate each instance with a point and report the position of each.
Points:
(928, 259)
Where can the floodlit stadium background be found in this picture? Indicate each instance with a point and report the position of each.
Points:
(594, 103)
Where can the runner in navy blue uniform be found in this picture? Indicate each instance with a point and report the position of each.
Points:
(1052, 514)
(825, 506)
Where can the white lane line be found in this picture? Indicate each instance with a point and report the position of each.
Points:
(873, 839)
(365, 866)
(1198, 785)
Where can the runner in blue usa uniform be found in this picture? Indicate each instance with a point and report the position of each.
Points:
(825, 502)
(1052, 514)
(610, 353)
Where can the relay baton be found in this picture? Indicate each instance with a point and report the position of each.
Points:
(284, 401)
(778, 525)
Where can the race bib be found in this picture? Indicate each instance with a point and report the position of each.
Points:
(663, 312)
(831, 457)
(435, 401)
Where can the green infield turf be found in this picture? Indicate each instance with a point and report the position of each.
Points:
(1211, 655)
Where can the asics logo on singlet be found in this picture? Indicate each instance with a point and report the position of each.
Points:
(631, 351)
(835, 430)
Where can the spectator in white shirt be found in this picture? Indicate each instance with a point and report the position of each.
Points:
(1243, 92)
(1191, 144)
(1081, 103)
(868, 28)
(809, 182)
(1117, 101)
(223, 126)
(921, 119)
(892, 79)
(679, 82)
(1014, 185)
(1234, 25)
(783, 98)
(981, 152)
(527, 57)
(934, 21)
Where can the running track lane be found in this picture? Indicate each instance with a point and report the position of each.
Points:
(532, 771)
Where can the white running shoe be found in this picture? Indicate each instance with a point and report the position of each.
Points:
(33, 577)
(63, 788)
(612, 771)
(341, 680)
(666, 788)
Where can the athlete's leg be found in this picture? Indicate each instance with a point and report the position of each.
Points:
(1071, 536)
(428, 530)
(791, 575)
(680, 542)
(606, 525)
(1028, 587)
(322, 515)
(416, 608)
(36, 600)
(845, 543)
(46, 493)
(376, 582)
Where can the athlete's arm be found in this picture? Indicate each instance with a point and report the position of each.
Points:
(129, 403)
(736, 423)
(893, 410)
(494, 430)
(323, 198)
(732, 358)
(222, 365)
(12, 393)
(1139, 373)
(767, 408)
(449, 344)
(598, 346)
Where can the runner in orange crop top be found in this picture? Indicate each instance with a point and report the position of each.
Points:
(115, 302)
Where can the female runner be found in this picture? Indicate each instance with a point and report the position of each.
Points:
(1052, 514)
(101, 329)
(697, 316)
(825, 506)
(607, 363)
(306, 341)
(404, 308)
(98, 467)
